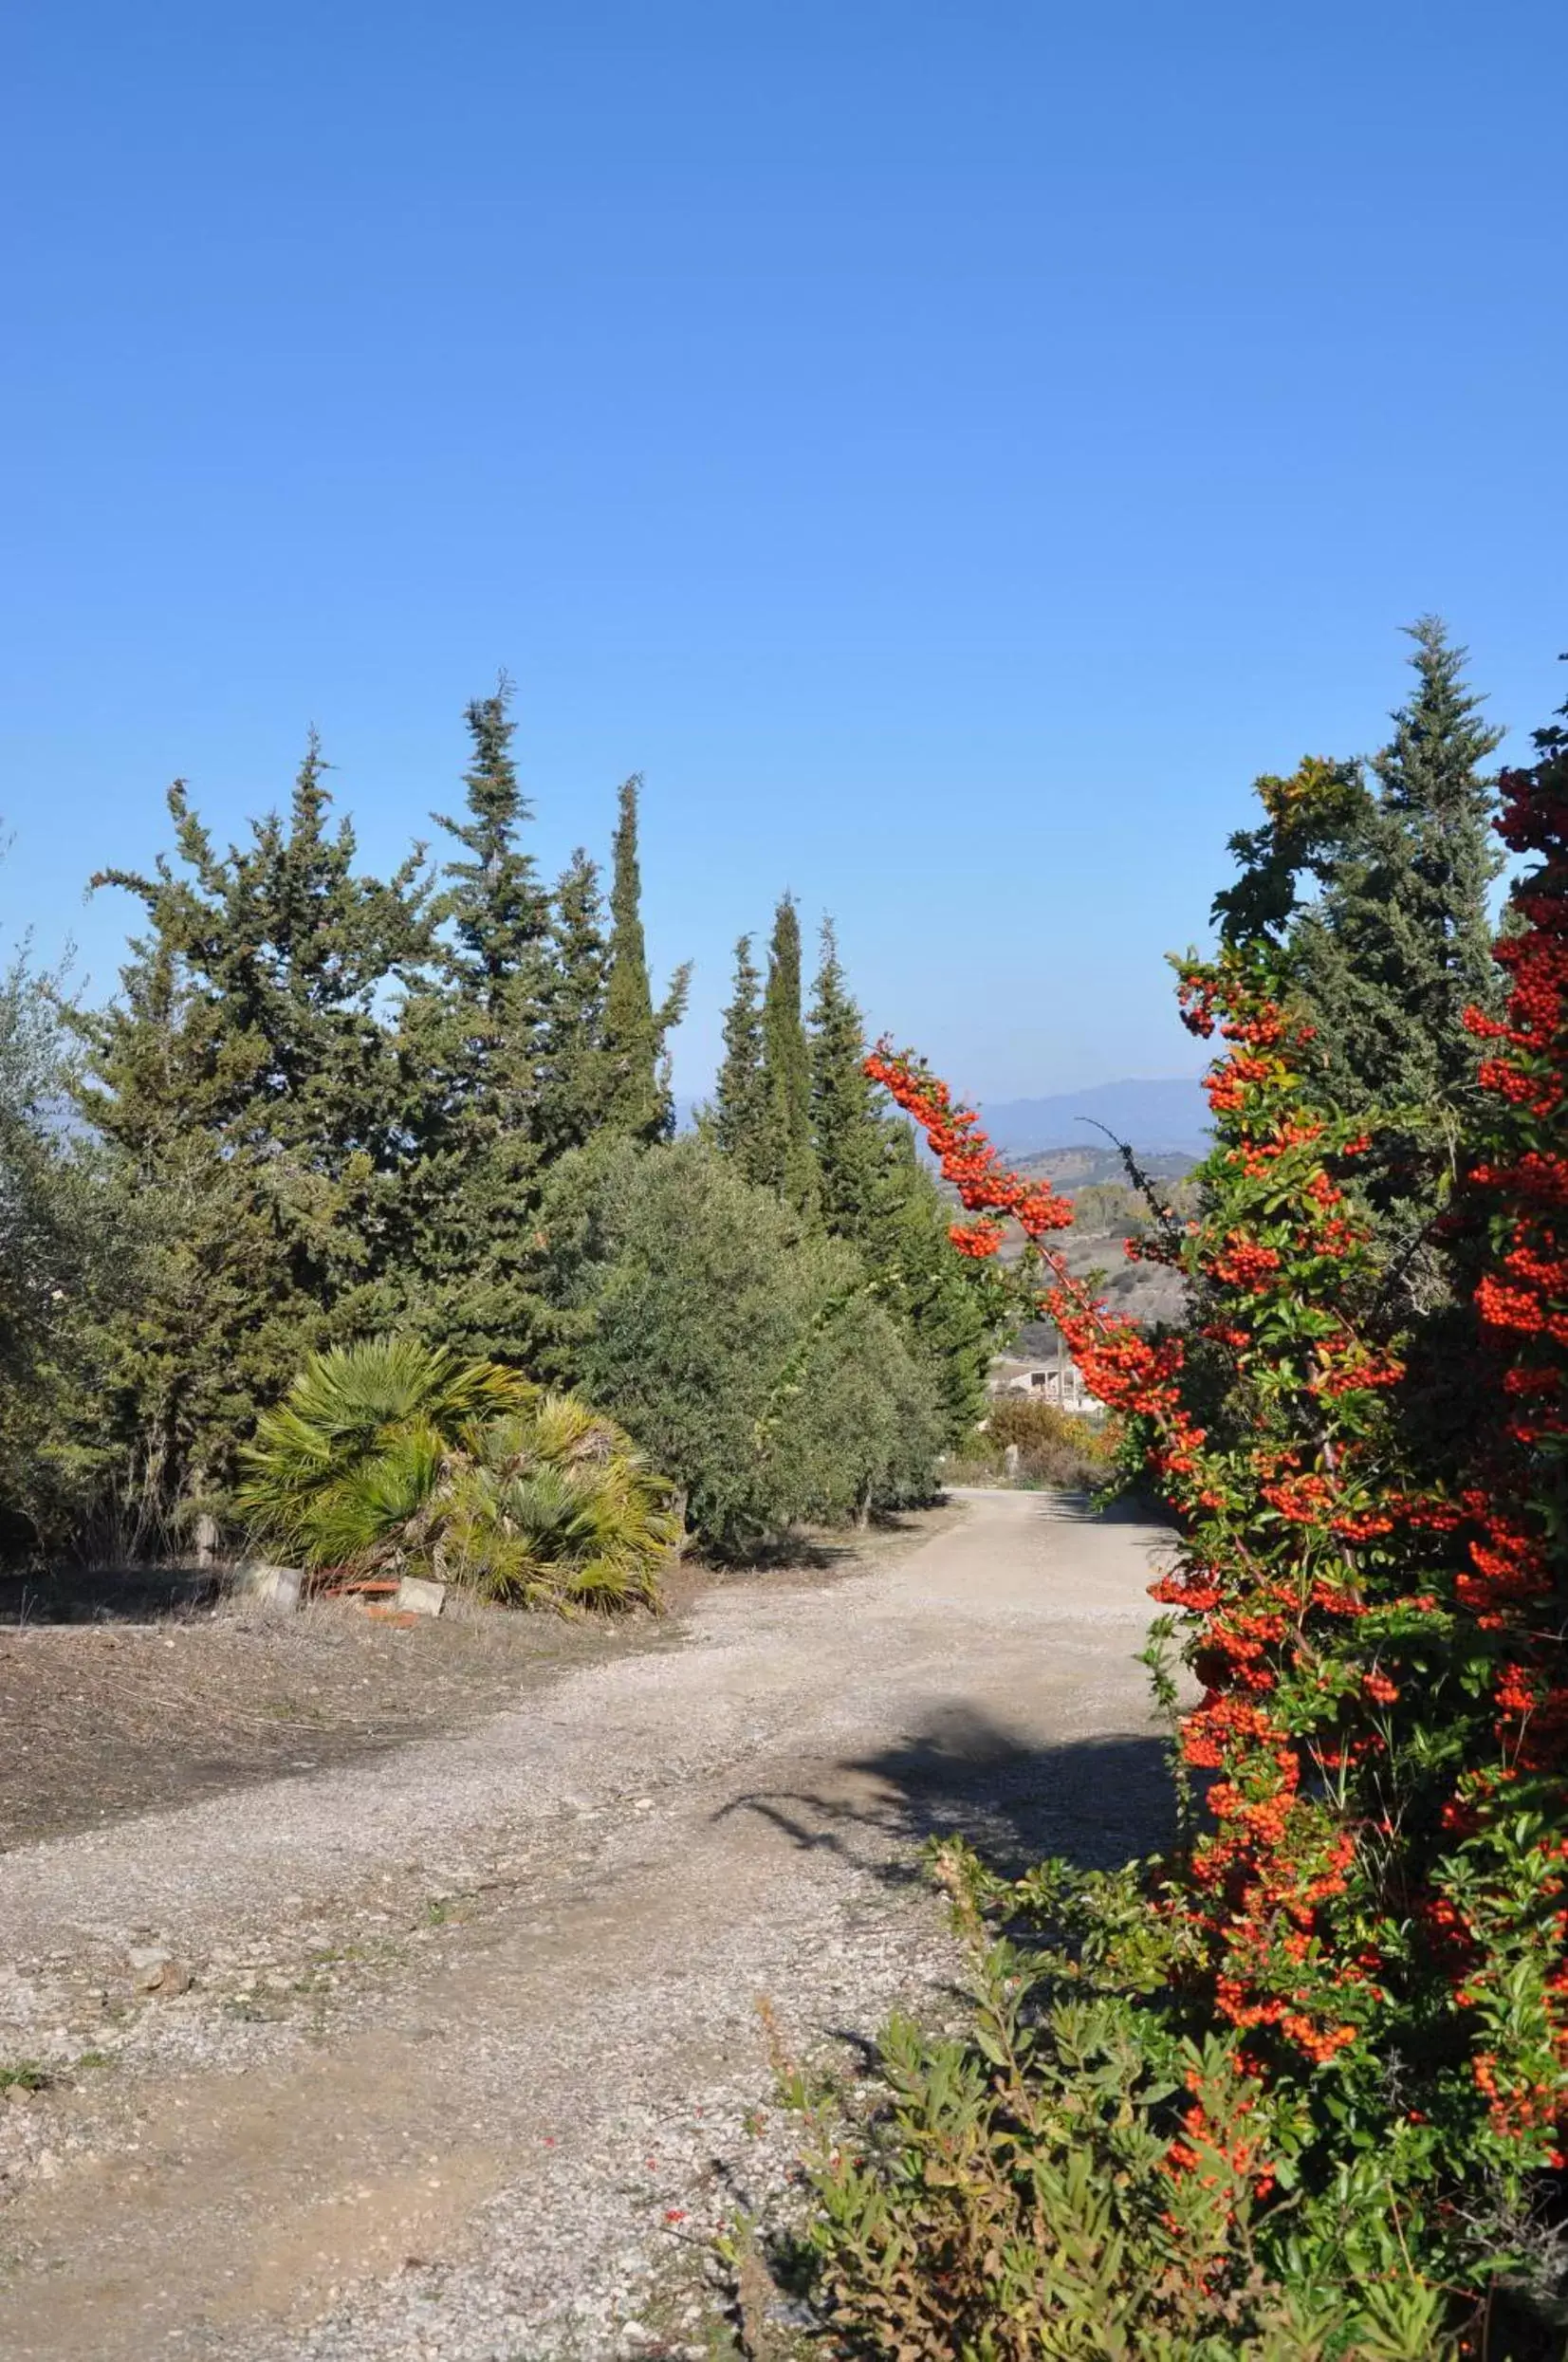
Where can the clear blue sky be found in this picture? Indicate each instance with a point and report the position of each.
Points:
(949, 448)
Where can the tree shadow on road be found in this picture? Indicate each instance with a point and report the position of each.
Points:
(1095, 1801)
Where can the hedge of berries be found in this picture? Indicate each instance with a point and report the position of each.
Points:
(1371, 1911)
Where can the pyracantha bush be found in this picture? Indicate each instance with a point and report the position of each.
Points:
(1346, 1985)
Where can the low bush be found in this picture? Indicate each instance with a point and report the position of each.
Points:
(1072, 2178)
(397, 1456)
(1055, 1447)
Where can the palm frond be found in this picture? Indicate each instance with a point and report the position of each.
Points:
(394, 1453)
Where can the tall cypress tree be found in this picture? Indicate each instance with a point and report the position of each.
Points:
(739, 1101)
(576, 1074)
(957, 1318)
(877, 1195)
(846, 1132)
(786, 1161)
(473, 1037)
(634, 1030)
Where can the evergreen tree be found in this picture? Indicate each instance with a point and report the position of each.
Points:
(72, 1249)
(1392, 948)
(875, 1193)
(751, 1362)
(498, 910)
(248, 1083)
(576, 1076)
(473, 1039)
(786, 1161)
(1397, 942)
(634, 1031)
(846, 1130)
(1400, 942)
(957, 1318)
(739, 1101)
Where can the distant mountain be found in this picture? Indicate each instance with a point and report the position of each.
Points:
(1169, 1116)
(1150, 1115)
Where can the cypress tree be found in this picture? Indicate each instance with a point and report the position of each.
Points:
(846, 1131)
(634, 1031)
(473, 1036)
(877, 1195)
(957, 1318)
(786, 1161)
(576, 1074)
(739, 1101)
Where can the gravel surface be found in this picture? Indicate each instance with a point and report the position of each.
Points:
(455, 2054)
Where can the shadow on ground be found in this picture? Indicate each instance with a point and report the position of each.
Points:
(105, 1594)
(1097, 1801)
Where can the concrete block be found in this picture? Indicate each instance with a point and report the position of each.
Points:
(280, 1587)
(422, 1599)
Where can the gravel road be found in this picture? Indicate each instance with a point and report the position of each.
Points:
(457, 2054)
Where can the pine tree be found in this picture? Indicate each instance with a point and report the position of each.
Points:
(847, 1133)
(247, 1084)
(1396, 941)
(499, 913)
(739, 1101)
(1394, 945)
(634, 1031)
(1400, 942)
(786, 1161)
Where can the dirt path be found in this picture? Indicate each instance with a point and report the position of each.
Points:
(467, 2062)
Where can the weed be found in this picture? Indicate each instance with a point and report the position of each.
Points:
(26, 2075)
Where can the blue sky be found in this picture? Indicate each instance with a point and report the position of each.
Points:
(950, 450)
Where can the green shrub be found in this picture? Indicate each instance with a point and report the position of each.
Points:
(396, 1455)
(1055, 1447)
(746, 1353)
(1010, 2194)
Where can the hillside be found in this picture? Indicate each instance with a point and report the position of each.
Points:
(1153, 1117)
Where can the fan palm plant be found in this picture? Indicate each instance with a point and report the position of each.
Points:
(556, 1502)
(394, 1456)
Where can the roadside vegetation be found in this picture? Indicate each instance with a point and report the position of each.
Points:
(1297, 2088)
(356, 1228)
(398, 1457)
(1026, 1440)
(333, 1122)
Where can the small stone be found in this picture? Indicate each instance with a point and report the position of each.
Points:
(157, 1972)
